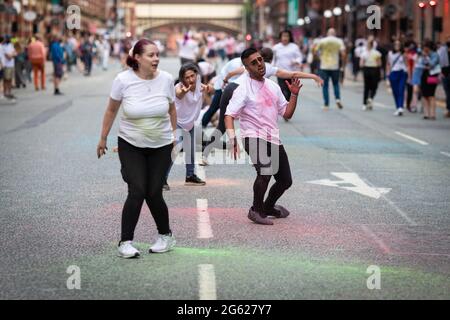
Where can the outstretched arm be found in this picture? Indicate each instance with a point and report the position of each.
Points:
(294, 87)
(284, 74)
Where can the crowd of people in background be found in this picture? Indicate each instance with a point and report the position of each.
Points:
(26, 61)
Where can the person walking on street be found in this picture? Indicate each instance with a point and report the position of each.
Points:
(57, 56)
(429, 62)
(37, 55)
(398, 74)
(371, 64)
(331, 50)
(258, 102)
(146, 138)
(9, 53)
(286, 56)
(444, 59)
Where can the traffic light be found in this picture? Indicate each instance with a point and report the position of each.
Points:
(433, 3)
(422, 4)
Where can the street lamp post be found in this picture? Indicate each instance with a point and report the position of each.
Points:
(422, 6)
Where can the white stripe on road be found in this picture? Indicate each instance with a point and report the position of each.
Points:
(204, 225)
(412, 138)
(207, 282)
(382, 105)
(445, 154)
(377, 240)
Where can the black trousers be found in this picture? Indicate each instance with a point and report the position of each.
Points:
(371, 79)
(269, 160)
(227, 94)
(144, 170)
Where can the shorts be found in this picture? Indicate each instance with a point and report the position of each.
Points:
(58, 71)
(417, 77)
(8, 74)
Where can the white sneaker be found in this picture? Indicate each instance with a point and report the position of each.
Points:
(369, 104)
(399, 112)
(164, 243)
(204, 162)
(126, 250)
(364, 107)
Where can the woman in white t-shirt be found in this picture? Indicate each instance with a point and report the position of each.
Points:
(188, 103)
(371, 64)
(145, 141)
(287, 56)
(398, 74)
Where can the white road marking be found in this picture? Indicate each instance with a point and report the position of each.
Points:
(204, 225)
(421, 142)
(382, 105)
(207, 282)
(358, 185)
(445, 154)
(377, 240)
(392, 204)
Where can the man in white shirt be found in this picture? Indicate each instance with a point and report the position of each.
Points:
(258, 102)
(331, 49)
(8, 67)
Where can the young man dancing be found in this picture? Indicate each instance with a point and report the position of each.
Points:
(258, 102)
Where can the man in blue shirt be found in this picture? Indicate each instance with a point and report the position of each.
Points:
(57, 55)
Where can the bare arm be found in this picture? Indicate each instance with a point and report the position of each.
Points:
(294, 87)
(233, 73)
(108, 120)
(284, 74)
(181, 90)
(173, 116)
(229, 126)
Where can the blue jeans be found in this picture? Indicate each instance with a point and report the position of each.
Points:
(188, 140)
(326, 75)
(215, 104)
(398, 84)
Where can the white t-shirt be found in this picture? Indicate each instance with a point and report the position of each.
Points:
(371, 58)
(189, 107)
(8, 49)
(258, 104)
(188, 49)
(145, 122)
(399, 62)
(206, 68)
(231, 65)
(286, 56)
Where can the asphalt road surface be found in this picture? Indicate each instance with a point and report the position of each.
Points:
(370, 207)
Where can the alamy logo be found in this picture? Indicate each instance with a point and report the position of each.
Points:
(73, 20)
(74, 281)
(374, 280)
(374, 21)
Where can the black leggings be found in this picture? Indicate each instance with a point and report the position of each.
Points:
(371, 79)
(263, 156)
(144, 170)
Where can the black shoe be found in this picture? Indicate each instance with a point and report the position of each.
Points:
(259, 218)
(277, 212)
(194, 181)
(58, 93)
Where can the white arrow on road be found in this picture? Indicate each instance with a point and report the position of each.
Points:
(357, 184)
